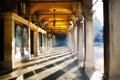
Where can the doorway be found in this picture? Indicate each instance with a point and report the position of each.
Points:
(1, 41)
(32, 42)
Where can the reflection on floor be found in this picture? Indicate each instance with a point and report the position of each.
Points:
(57, 64)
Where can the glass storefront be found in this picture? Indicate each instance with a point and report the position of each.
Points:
(44, 40)
(21, 41)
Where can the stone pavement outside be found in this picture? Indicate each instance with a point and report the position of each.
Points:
(57, 64)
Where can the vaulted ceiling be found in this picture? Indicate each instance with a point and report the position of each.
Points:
(53, 15)
(56, 15)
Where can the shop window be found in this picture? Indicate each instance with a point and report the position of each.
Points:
(44, 40)
(21, 41)
(40, 42)
(40, 39)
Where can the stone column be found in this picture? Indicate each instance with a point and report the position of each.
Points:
(9, 41)
(36, 43)
(80, 40)
(89, 53)
(75, 34)
(47, 41)
(29, 55)
(111, 40)
(74, 40)
(50, 42)
(70, 40)
(53, 41)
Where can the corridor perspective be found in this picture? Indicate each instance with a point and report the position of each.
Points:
(54, 40)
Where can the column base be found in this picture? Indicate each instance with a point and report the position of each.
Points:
(81, 63)
(89, 65)
(112, 77)
(80, 57)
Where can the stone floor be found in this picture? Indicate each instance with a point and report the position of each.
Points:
(57, 64)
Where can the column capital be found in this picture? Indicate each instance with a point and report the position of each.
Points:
(111, 77)
(88, 14)
(80, 21)
(75, 27)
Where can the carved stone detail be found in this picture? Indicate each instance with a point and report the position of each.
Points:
(88, 14)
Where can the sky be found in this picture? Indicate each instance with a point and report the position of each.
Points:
(98, 7)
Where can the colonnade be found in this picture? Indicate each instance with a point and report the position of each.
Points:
(111, 40)
(80, 40)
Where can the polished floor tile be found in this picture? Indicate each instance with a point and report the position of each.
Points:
(56, 64)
